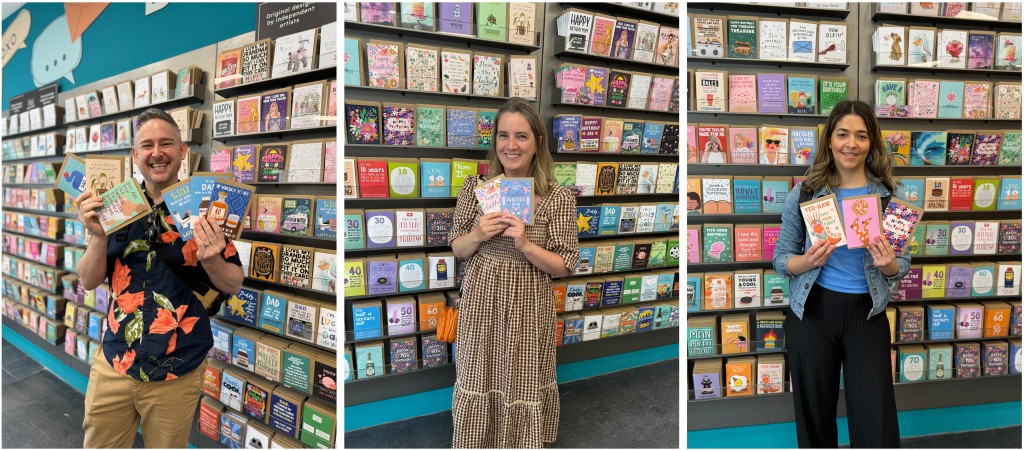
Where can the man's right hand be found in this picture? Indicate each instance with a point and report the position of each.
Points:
(490, 225)
(88, 213)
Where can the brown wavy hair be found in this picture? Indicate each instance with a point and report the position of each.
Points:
(823, 168)
(541, 166)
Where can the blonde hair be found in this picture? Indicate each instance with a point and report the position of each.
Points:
(823, 168)
(540, 167)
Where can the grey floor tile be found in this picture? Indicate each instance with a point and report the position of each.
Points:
(21, 368)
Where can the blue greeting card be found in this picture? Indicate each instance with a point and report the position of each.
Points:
(435, 178)
(1009, 193)
(272, 312)
(229, 203)
(202, 184)
(609, 219)
(326, 225)
(178, 199)
(71, 178)
(243, 307)
(588, 219)
(517, 198)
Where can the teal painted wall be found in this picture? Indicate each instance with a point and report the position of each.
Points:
(123, 38)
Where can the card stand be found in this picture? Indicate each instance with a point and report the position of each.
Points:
(196, 94)
(14, 149)
(43, 238)
(563, 50)
(754, 108)
(407, 93)
(721, 52)
(748, 345)
(60, 124)
(58, 264)
(556, 100)
(904, 112)
(965, 18)
(450, 38)
(287, 130)
(36, 275)
(314, 293)
(421, 327)
(417, 365)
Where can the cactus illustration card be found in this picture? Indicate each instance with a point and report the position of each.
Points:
(821, 218)
(861, 220)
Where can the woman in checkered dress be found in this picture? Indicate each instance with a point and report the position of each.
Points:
(505, 393)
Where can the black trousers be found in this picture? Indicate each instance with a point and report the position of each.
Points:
(834, 330)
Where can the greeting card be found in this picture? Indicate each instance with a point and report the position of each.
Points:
(822, 220)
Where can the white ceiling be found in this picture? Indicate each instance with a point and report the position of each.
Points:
(11, 7)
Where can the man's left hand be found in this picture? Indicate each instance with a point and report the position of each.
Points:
(209, 239)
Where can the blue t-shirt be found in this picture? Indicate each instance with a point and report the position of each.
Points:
(844, 271)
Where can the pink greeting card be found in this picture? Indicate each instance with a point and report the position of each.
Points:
(861, 220)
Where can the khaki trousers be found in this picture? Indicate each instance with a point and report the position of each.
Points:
(115, 404)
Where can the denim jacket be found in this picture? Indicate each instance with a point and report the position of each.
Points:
(788, 245)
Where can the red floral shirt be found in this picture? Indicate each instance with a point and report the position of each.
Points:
(157, 328)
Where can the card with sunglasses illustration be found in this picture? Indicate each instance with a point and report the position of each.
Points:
(178, 199)
(229, 201)
(122, 205)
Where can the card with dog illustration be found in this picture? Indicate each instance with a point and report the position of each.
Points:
(861, 219)
(889, 46)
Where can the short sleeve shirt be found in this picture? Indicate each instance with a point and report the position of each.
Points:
(157, 328)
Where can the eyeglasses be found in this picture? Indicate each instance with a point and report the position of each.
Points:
(153, 227)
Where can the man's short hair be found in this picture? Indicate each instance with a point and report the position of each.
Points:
(156, 113)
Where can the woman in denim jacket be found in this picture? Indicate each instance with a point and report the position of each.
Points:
(838, 296)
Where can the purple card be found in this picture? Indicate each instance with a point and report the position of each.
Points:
(967, 359)
(456, 17)
(517, 198)
(706, 385)
(910, 286)
(958, 281)
(380, 229)
(596, 86)
(273, 111)
(961, 237)
(382, 276)
(771, 93)
(438, 225)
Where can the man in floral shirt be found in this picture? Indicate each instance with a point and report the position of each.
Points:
(158, 332)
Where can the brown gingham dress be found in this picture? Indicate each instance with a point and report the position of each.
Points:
(505, 394)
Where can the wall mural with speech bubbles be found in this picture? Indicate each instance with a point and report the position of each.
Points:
(74, 44)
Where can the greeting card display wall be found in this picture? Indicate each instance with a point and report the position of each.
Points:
(43, 239)
(277, 338)
(390, 376)
(862, 73)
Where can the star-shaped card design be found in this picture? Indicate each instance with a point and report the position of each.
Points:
(861, 219)
(517, 198)
(488, 195)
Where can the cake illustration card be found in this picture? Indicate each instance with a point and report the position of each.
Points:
(822, 220)
(517, 198)
(861, 219)
(1007, 49)
(229, 203)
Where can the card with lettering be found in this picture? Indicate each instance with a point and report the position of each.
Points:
(179, 199)
(456, 71)
(122, 205)
(822, 220)
(517, 198)
(523, 78)
(861, 219)
(256, 61)
(384, 66)
(296, 266)
(229, 203)
(488, 79)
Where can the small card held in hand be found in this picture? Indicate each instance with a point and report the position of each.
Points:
(898, 223)
(122, 205)
(821, 218)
